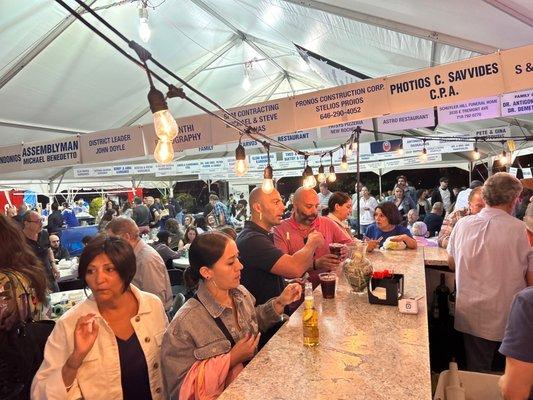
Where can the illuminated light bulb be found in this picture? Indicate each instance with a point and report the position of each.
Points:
(400, 149)
(309, 181)
(349, 151)
(344, 163)
(332, 177)
(503, 158)
(476, 154)
(164, 152)
(166, 127)
(241, 163)
(424, 156)
(321, 177)
(268, 184)
(144, 28)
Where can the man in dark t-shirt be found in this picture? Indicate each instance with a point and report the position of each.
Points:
(264, 264)
(140, 213)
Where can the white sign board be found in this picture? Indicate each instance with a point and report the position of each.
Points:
(117, 144)
(526, 172)
(517, 103)
(51, 154)
(410, 120)
(11, 158)
(484, 108)
(494, 133)
(344, 131)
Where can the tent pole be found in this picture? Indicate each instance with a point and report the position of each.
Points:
(379, 180)
(470, 167)
(357, 189)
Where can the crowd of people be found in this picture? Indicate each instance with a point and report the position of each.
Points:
(119, 342)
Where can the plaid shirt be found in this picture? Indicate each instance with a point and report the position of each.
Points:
(449, 223)
(220, 209)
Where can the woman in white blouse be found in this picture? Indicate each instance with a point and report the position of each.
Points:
(107, 347)
(368, 205)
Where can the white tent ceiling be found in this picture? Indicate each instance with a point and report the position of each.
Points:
(57, 77)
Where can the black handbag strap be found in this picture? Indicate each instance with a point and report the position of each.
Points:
(220, 324)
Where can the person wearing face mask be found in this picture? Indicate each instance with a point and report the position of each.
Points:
(217, 330)
(293, 233)
(340, 207)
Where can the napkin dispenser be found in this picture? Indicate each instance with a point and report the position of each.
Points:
(385, 288)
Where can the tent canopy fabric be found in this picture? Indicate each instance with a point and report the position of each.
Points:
(58, 78)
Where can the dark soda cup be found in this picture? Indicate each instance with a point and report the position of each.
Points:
(328, 282)
(335, 248)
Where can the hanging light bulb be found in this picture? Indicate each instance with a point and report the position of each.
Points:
(309, 181)
(321, 177)
(424, 155)
(164, 152)
(400, 149)
(503, 158)
(166, 127)
(349, 151)
(144, 28)
(332, 177)
(475, 154)
(241, 163)
(268, 183)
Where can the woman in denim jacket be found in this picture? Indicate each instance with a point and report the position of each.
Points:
(217, 331)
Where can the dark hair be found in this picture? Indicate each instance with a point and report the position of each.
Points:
(119, 252)
(55, 206)
(108, 215)
(186, 237)
(137, 200)
(419, 193)
(86, 239)
(126, 206)
(401, 177)
(443, 179)
(65, 204)
(339, 198)
(228, 230)
(200, 223)
(173, 226)
(205, 251)
(17, 256)
(475, 183)
(163, 236)
(391, 212)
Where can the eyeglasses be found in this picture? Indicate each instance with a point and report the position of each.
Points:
(35, 222)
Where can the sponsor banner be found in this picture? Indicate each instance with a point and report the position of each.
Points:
(473, 78)
(517, 103)
(526, 172)
(116, 144)
(404, 162)
(442, 146)
(356, 101)
(472, 110)
(166, 169)
(385, 146)
(271, 117)
(513, 171)
(194, 132)
(11, 158)
(51, 154)
(344, 131)
(93, 172)
(414, 119)
(259, 161)
(207, 149)
(517, 68)
(493, 133)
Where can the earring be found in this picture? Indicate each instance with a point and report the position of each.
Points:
(260, 216)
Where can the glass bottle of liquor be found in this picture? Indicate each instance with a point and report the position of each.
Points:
(310, 318)
(441, 293)
(451, 301)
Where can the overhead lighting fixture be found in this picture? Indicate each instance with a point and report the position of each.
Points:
(321, 177)
(475, 154)
(164, 152)
(166, 127)
(401, 152)
(332, 177)
(144, 28)
(424, 155)
(503, 156)
(309, 181)
(268, 183)
(344, 160)
(241, 163)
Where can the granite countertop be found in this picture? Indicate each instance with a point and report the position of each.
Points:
(435, 256)
(365, 352)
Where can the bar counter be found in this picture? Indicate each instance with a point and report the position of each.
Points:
(366, 351)
(435, 256)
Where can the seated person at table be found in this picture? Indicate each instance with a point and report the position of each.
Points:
(173, 227)
(517, 382)
(166, 253)
(216, 331)
(188, 238)
(60, 253)
(388, 220)
(339, 209)
(434, 219)
(107, 346)
(420, 231)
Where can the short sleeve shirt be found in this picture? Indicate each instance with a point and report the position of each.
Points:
(373, 232)
(258, 255)
(519, 331)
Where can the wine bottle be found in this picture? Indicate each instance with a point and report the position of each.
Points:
(442, 292)
(451, 301)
